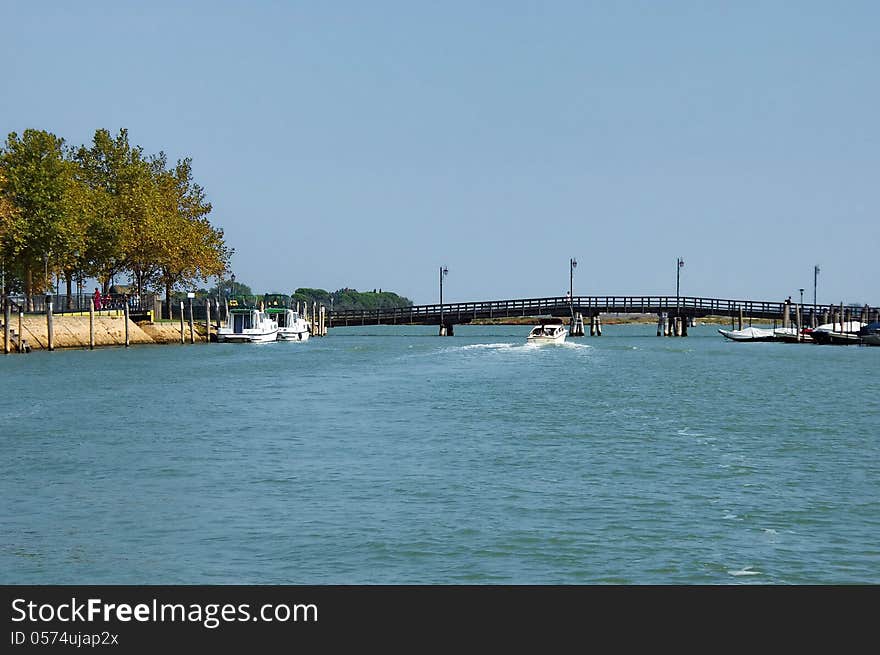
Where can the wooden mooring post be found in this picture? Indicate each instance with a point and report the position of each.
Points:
(661, 324)
(192, 331)
(91, 324)
(7, 315)
(125, 308)
(207, 320)
(50, 325)
(576, 326)
(182, 330)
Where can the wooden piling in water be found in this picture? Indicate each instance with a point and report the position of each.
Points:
(91, 324)
(192, 332)
(786, 314)
(7, 315)
(660, 324)
(50, 324)
(798, 318)
(685, 320)
(182, 331)
(598, 325)
(207, 320)
(125, 312)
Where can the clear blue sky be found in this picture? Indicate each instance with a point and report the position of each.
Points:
(364, 144)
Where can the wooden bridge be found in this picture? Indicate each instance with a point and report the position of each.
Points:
(672, 307)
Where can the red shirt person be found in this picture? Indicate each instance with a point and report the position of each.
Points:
(97, 299)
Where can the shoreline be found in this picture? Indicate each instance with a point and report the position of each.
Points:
(73, 332)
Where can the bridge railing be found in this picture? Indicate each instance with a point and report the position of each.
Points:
(560, 305)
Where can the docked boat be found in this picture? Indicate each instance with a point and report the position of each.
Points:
(291, 326)
(791, 335)
(870, 334)
(748, 334)
(845, 334)
(548, 332)
(247, 325)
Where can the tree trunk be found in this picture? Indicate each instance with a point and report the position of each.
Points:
(68, 275)
(168, 298)
(29, 289)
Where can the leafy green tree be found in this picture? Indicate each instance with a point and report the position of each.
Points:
(193, 249)
(113, 170)
(37, 179)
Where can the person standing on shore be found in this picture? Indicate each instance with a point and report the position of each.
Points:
(97, 299)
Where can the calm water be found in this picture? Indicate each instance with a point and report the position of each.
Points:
(389, 455)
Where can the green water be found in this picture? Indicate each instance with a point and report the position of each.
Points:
(390, 455)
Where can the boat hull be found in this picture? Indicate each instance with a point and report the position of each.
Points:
(750, 335)
(823, 337)
(544, 340)
(244, 337)
(285, 335)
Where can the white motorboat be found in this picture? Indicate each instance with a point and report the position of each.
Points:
(748, 334)
(248, 325)
(548, 332)
(291, 326)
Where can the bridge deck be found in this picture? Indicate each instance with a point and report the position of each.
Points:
(465, 312)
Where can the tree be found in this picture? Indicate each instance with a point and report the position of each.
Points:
(37, 179)
(7, 216)
(114, 171)
(193, 249)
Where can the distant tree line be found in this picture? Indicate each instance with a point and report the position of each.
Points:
(351, 299)
(102, 210)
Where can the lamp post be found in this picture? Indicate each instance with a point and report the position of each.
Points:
(233, 286)
(679, 264)
(572, 264)
(815, 284)
(443, 273)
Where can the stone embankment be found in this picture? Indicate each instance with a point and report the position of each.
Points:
(73, 332)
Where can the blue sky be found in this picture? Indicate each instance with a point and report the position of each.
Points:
(365, 144)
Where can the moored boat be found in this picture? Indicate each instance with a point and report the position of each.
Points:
(791, 335)
(748, 334)
(870, 334)
(291, 326)
(247, 325)
(838, 334)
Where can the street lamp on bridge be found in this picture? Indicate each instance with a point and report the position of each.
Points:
(572, 264)
(443, 273)
(678, 267)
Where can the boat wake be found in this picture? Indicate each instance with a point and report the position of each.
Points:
(516, 347)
